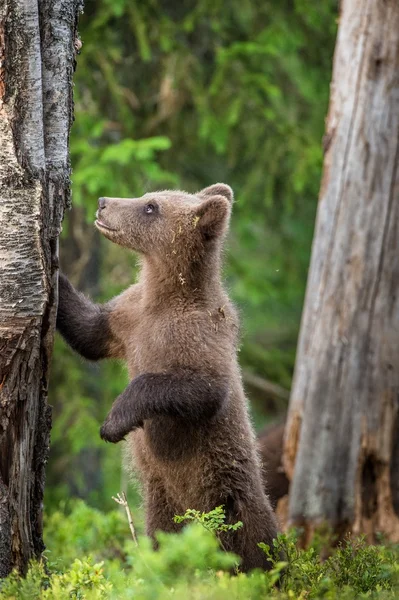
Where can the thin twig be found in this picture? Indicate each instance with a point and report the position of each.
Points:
(122, 500)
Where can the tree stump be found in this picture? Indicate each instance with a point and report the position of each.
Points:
(342, 437)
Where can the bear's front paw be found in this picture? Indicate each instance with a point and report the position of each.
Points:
(114, 429)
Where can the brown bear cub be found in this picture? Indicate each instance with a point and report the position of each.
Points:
(184, 410)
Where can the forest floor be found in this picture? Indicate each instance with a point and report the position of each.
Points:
(91, 555)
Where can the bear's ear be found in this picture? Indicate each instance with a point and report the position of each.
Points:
(212, 215)
(218, 189)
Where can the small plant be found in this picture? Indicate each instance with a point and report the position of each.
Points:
(362, 567)
(213, 520)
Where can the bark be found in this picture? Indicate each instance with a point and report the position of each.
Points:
(36, 65)
(80, 473)
(342, 449)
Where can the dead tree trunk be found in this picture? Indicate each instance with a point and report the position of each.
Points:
(342, 438)
(37, 57)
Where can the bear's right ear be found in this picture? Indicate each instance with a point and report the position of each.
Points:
(212, 215)
(218, 189)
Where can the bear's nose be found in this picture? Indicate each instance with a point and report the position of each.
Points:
(101, 203)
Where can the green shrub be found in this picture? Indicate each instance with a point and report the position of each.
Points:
(91, 556)
(82, 580)
(78, 530)
(353, 569)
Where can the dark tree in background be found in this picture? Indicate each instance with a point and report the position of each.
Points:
(37, 55)
(342, 439)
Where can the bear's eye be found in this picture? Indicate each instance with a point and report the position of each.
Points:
(149, 208)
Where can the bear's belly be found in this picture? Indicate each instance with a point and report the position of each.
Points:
(167, 444)
(198, 466)
(166, 453)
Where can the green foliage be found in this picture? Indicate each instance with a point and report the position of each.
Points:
(212, 521)
(78, 530)
(97, 166)
(172, 94)
(180, 556)
(82, 580)
(353, 569)
(361, 567)
(190, 94)
(97, 560)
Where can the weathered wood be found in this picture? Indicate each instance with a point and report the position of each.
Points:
(342, 449)
(36, 64)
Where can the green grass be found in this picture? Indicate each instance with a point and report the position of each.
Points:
(90, 555)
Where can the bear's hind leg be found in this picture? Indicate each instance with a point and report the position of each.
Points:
(159, 510)
(259, 525)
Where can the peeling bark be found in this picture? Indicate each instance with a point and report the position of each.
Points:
(36, 66)
(342, 448)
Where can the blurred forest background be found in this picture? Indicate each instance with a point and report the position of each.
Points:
(183, 95)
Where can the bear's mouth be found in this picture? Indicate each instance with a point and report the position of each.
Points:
(101, 225)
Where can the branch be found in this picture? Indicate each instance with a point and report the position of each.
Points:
(269, 388)
(122, 500)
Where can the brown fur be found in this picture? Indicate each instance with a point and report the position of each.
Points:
(271, 443)
(192, 440)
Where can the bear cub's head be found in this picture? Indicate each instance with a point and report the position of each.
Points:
(167, 223)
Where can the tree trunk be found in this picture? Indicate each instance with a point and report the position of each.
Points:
(37, 57)
(342, 438)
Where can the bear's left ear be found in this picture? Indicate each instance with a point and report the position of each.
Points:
(212, 216)
(218, 189)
